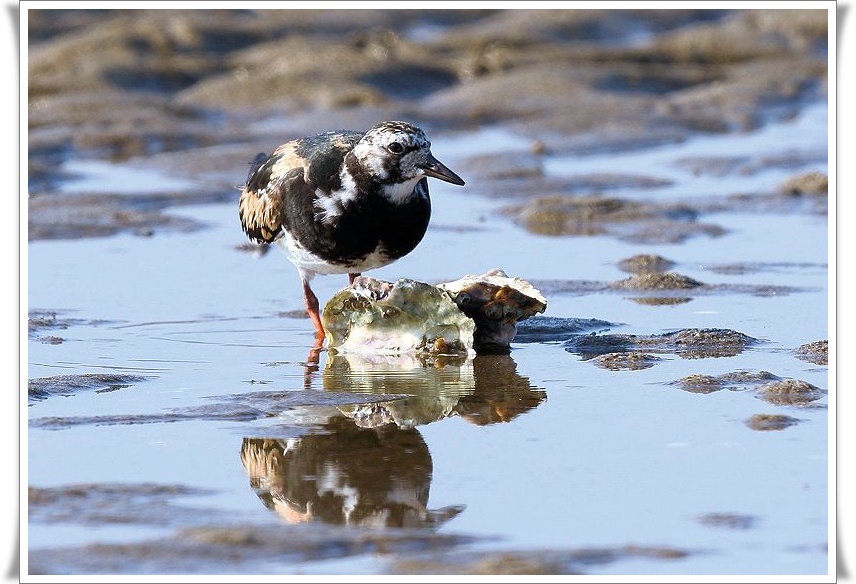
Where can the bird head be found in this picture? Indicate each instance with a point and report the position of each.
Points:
(399, 153)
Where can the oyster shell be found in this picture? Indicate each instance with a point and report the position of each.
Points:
(373, 316)
(474, 314)
(496, 303)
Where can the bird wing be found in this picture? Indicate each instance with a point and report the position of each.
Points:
(261, 204)
(281, 189)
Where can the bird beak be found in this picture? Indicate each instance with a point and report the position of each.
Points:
(434, 168)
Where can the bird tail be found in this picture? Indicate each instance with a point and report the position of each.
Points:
(256, 164)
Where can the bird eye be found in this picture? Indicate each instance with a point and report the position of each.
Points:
(396, 148)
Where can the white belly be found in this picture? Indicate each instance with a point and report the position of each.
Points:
(309, 264)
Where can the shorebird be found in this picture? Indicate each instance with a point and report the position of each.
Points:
(343, 202)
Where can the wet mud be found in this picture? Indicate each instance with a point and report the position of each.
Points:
(653, 285)
(230, 547)
(765, 385)
(646, 222)
(66, 385)
(181, 89)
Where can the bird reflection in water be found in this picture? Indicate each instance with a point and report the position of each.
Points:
(368, 465)
(347, 476)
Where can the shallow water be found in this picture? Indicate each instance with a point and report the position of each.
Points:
(614, 471)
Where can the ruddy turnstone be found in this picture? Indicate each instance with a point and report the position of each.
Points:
(343, 202)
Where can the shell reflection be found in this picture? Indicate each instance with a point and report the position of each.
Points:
(483, 390)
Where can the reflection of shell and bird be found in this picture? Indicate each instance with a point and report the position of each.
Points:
(346, 476)
(482, 390)
(371, 466)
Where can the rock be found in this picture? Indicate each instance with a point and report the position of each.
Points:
(645, 264)
(816, 352)
(809, 183)
(770, 422)
(657, 281)
(790, 392)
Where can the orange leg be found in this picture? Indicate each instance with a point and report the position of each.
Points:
(311, 366)
(352, 277)
(311, 302)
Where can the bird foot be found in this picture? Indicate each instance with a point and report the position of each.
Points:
(315, 352)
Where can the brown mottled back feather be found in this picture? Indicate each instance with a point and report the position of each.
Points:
(260, 206)
(288, 173)
(260, 218)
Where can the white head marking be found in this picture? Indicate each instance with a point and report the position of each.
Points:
(394, 152)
